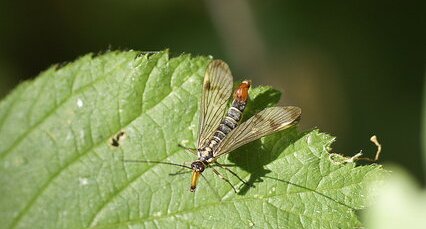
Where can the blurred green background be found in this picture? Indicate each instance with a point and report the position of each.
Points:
(356, 68)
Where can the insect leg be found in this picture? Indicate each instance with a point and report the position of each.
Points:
(224, 178)
(225, 165)
(211, 187)
(190, 150)
(233, 173)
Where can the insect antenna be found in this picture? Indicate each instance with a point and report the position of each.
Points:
(157, 162)
(179, 172)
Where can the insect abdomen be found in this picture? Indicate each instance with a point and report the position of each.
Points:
(233, 116)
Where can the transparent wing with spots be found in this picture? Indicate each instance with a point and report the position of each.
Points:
(217, 88)
(266, 122)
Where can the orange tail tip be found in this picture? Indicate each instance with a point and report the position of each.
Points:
(241, 93)
(194, 180)
(247, 82)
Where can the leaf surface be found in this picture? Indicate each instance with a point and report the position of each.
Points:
(60, 169)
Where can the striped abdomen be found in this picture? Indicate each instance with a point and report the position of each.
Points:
(232, 118)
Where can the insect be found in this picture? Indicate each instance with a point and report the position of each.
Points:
(220, 130)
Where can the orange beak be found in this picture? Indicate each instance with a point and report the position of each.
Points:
(194, 180)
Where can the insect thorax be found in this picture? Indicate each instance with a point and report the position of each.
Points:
(205, 154)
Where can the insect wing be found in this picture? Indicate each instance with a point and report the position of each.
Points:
(266, 122)
(217, 88)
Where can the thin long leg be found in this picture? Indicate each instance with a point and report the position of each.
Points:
(224, 178)
(190, 150)
(211, 187)
(233, 173)
(226, 165)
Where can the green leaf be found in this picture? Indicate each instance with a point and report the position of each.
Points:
(400, 203)
(60, 169)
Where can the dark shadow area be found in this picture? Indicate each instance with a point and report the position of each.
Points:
(254, 156)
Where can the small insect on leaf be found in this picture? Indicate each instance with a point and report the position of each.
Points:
(220, 132)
